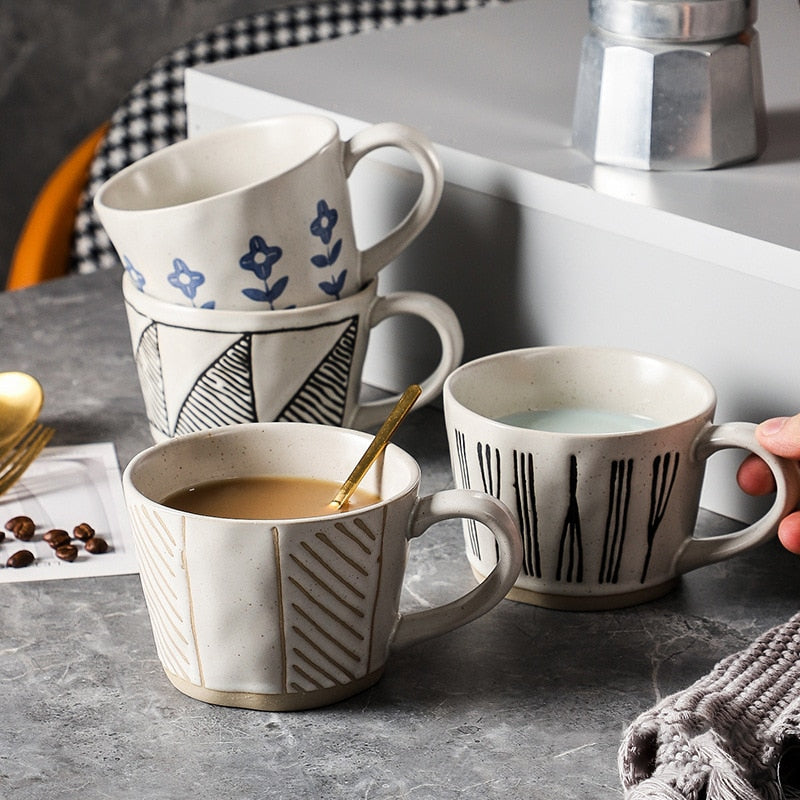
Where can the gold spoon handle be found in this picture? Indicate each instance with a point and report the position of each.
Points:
(382, 437)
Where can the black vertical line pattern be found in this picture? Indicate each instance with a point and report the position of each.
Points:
(490, 475)
(524, 487)
(662, 481)
(571, 542)
(617, 535)
(619, 496)
(607, 545)
(624, 528)
(463, 467)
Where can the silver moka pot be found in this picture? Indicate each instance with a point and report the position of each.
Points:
(670, 84)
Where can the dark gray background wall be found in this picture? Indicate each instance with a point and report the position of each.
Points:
(64, 66)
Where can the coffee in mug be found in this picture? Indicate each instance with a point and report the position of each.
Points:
(264, 497)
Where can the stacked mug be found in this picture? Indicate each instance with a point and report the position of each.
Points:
(247, 297)
(249, 302)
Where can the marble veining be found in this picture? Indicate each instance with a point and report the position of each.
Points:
(522, 703)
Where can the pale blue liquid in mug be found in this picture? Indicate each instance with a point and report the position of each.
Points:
(579, 420)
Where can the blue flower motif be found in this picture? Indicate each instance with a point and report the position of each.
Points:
(325, 222)
(136, 276)
(322, 227)
(185, 279)
(335, 286)
(259, 260)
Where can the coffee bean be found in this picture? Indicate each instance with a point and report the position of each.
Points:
(56, 538)
(84, 531)
(67, 552)
(22, 558)
(96, 545)
(22, 527)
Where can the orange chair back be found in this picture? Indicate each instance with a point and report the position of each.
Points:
(43, 247)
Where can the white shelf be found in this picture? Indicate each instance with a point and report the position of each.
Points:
(494, 89)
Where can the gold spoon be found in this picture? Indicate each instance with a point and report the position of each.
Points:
(21, 400)
(382, 437)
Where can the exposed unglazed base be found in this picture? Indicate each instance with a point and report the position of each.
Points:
(293, 701)
(589, 602)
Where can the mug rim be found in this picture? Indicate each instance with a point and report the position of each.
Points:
(392, 451)
(450, 388)
(207, 140)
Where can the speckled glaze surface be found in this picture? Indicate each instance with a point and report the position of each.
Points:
(257, 216)
(200, 369)
(291, 614)
(607, 519)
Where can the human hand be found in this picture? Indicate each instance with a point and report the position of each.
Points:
(781, 436)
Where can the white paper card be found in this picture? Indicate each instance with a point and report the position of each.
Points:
(62, 488)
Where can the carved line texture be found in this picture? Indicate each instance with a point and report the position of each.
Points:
(160, 557)
(332, 579)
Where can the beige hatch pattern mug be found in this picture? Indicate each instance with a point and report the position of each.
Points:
(292, 614)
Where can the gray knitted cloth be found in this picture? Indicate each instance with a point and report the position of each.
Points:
(723, 738)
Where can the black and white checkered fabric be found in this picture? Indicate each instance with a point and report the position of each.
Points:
(153, 114)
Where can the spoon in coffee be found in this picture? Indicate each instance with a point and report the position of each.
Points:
(382, 437)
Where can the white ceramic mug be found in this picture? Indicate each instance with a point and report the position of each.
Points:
(290, 614)
(607, 499)
(257, 216)
(201, 368)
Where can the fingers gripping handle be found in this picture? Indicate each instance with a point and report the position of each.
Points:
(699, 552)
(445, 322)
(457, 503)
(392, 134)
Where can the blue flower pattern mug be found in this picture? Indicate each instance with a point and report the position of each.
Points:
(257, 216)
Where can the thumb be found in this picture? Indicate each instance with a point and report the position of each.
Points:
(781, 436)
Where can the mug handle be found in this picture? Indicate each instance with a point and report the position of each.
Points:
(445, 323)
(393, 134)
(698, 552)
(458, 503)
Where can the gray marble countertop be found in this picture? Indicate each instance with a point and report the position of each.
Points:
(524, 702)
